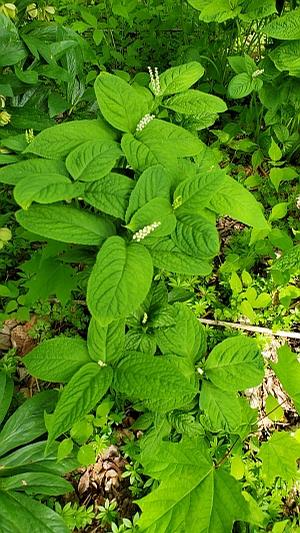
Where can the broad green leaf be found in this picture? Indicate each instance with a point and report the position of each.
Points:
(110, 194)
(195, 102)
(47, 189)
(235, 283)
(138, 340)
(93, 160)
(234, 200)
(87, 455)
(120, 280)
(21, 514)
(166, 255)
(286, 27)
(287, 369)
(279, 457)
(57, 359)
(263, 300)
(240, 86)
(78, 397)
(156, 381)
(274, 151)
(64, 449)
(278, 175)
(193, 195)
(194, 503)
(241, 64)
(226, 411)
(6, 393)
(257, 9)
(155, 182)
(160, 142)
(287, 57)
(158, 211)
(196, 236)
(106, 343)
(82, 430)
(12, 50)
(273, 409)
(58, 141)
(120, 104)
(168, 136)
(179, 79)
(186, 337)
(278, 211)
(27, 422)
(36, 483)
(141, 156)
(34, 459)
(66, 224)
(235, 364)
(12, 174)
(216, 10)
(289, 261)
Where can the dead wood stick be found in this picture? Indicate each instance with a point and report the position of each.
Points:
(246, 327)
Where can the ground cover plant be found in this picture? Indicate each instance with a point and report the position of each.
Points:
(137, 202)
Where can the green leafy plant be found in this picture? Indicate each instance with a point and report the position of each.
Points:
(143, 194)
(26, 469)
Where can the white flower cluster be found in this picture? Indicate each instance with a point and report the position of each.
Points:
(298, 202)
(257, 73)
(154, 78)
(142, 233)
(144, 121)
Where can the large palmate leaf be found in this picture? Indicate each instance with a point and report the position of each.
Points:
(195, 102)
(235, 364)
(110, 194)
(58, 141)
(191, 492)
(186, 337)
(180, 78)
(22, 514)
(57, 359)
(66, 224)
(287, 369)
(106, 343)
(286, 27)
(156, 381)
(166, 255)
(226, 411)
(79, 396)
(27, 422)
(279, 457)
(47, 189)
(287, 57)
(120, 104)
(93, 160)
(12, 174)
(196, 236)
(120, 280)
(155, 182)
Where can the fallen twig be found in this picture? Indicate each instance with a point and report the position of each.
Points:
(246, 327)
